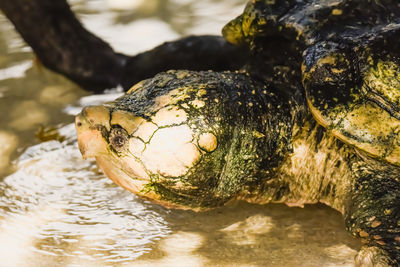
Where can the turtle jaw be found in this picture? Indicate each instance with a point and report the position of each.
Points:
(131, 180)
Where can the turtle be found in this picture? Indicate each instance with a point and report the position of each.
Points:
(313, 116)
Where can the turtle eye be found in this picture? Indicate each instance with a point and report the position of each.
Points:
(118, 139)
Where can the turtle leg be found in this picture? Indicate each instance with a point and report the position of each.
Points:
(373, 212)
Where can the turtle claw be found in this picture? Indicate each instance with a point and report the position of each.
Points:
(373, 257)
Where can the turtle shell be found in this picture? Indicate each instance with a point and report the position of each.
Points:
(306, 22)
(351, 65)
(259, 18)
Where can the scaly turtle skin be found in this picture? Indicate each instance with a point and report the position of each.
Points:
(313, 117)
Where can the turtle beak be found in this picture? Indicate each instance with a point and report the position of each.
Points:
(92, 126)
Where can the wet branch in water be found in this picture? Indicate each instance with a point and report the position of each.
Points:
(63, 45)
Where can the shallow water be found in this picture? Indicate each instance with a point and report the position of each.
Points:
(58, 210)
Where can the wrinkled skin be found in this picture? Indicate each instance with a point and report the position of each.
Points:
(313, 117)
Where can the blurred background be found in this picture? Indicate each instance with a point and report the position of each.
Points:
(57, 209)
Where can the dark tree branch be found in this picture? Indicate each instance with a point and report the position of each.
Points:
(191, 53)
(62, 44)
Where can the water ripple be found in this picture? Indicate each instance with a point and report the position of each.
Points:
(80, 211)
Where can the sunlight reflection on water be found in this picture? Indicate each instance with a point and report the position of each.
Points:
(15, 71)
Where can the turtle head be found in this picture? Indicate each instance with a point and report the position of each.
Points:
(172, 138)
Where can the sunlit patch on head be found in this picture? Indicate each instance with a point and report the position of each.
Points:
(169, 116)
(171, 98)
(207, 142)
(197, 103)
(136, 146)
(171, 151)
(145, 131)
